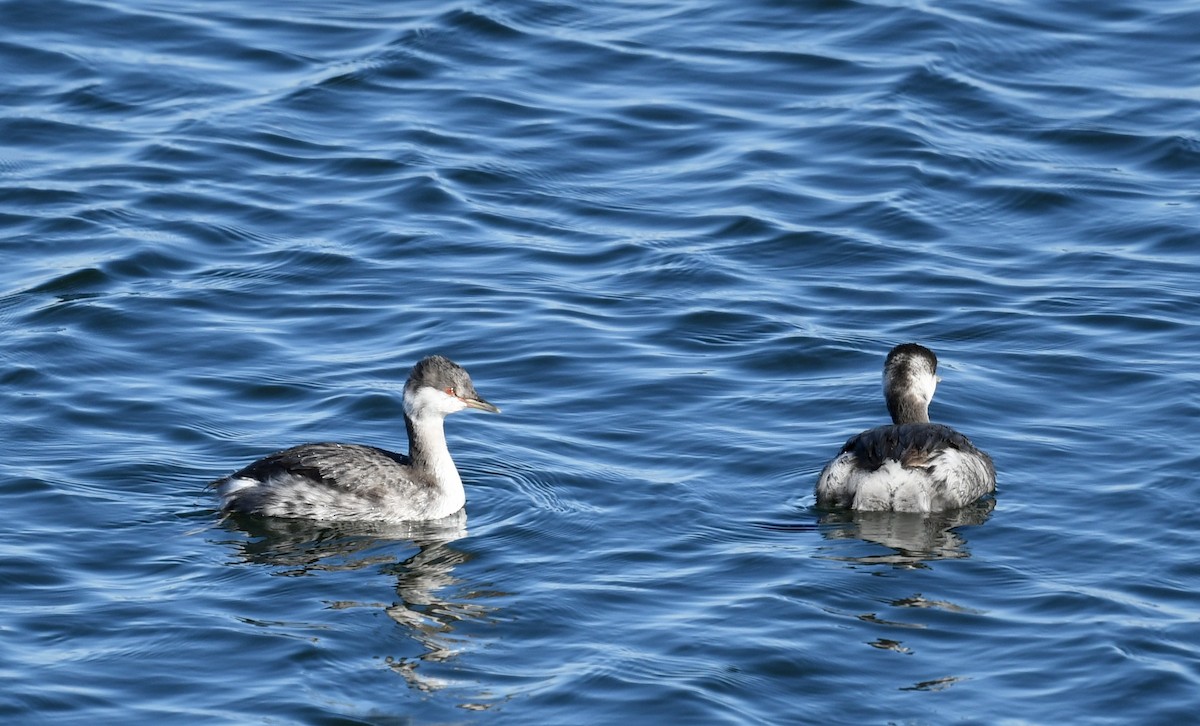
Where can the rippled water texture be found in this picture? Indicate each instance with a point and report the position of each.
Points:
(673, 241)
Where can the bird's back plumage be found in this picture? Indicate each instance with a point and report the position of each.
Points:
(916, 467)
(329, 481)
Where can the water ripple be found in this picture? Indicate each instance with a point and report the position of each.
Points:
(673, 243)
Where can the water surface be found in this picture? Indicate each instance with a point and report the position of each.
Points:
(673, 241)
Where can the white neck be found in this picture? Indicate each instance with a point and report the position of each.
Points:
(429, 453)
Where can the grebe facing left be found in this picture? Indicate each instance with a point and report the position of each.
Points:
(912, 465)
(349, 482)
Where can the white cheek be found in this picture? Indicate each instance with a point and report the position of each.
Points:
(429, 400)
(451, 404)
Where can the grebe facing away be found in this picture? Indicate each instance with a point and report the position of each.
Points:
(912, 465)
(349, 482)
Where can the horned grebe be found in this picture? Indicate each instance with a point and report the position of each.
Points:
(912, 465)
(353, 482)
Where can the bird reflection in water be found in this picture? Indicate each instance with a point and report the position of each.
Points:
(431, 601)
(913, 538)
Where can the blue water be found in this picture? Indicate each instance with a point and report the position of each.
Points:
(673, 241)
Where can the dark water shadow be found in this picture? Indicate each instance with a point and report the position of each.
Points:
(431, 601)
